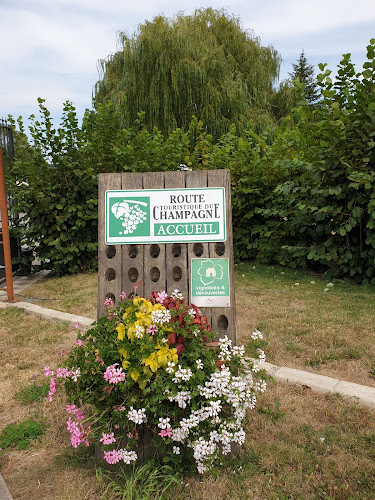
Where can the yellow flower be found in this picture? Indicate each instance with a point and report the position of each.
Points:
(126, 313)
(125, 364)
(139, 301)
(134, 375)
(130, 332)
(152, 362)
(120, 331)
(164, 354)
(123, 353)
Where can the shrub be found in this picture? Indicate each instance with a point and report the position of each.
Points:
(145, 367)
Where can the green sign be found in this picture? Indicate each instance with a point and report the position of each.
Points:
(165, 216)
(210, 282)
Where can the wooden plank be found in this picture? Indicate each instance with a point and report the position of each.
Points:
(109, 256)
(154, 275)
(132, 255)
(176, 253)
(195, 180)
(224, 318)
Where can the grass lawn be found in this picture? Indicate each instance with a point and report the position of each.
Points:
(330, 332)
(299, 445)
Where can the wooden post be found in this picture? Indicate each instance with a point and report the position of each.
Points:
(5, 233)
(163, 266)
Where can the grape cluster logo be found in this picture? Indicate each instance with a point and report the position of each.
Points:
(130, 217)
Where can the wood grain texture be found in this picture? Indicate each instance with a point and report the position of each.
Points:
(176, 253)
(106, 285)
(154, 273)
(224, 326)
(132, 255)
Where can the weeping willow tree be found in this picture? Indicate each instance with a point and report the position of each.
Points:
(204, 64)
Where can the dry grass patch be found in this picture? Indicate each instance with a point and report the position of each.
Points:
(329, 333)
(27, 344)
(73, 294)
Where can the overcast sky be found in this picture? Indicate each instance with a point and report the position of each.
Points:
(50, 48)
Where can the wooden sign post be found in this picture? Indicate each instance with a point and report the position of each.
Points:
(167, 231)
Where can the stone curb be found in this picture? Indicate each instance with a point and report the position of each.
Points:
(50, 314)
(322, 384)
(4, 492)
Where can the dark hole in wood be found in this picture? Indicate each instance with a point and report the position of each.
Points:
(110, 274)
(110, 251)
(111, 296)
(176, 250)
(222, 323)
(177, 273)
(133, 251)
(154, 274)
(133, 274)
(154, 251)
(198, 249)
(220, 248)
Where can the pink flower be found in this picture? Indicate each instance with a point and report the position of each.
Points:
(63, 352)
(78, 342)
(112, 457)
(108, 438)
(48, 372)
(78, 433)
(119, 408)
(52, 389)
(161, 297)
(152, 329)
(166, 432)
(76, 325)
(62, 373)
(114, 375)
(123, 295)
(109, 302)
(72, 409)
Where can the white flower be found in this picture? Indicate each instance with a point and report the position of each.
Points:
(170, 367)
(262, 356)
(176, 294)
(256, 335)
(176, 450)
(139, 331)
(199, 364)
(182, 374)
(137, 416)
(164, 423)
(160, 316)
(191, 312)
(128, 456)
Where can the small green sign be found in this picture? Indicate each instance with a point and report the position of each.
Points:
(210, 282)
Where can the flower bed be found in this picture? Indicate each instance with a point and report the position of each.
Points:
(145, 365)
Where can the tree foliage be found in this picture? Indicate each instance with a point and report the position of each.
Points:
(306, 198)
(304, 73)
(327, 212)
(204, 64)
